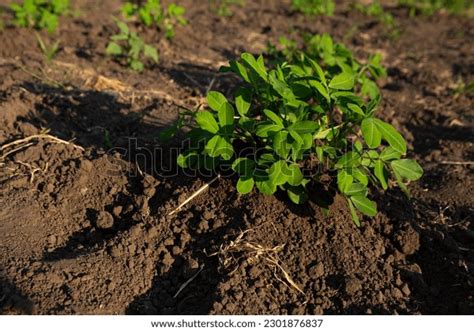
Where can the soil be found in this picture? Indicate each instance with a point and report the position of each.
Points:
(85, 226)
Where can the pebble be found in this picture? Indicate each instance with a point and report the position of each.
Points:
(105, 220)
(353, 285)
(317, 270)
(396, 293)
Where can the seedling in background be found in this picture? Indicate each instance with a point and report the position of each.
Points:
(430, 7)
(128, 46)
(376, 11)
(49, 51)
(40, 14)
(335, 57)
(299, 122)
(223, 7)
(152, 12)
(314, 7)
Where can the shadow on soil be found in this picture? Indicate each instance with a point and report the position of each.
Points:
(168, 294)
(12, 301)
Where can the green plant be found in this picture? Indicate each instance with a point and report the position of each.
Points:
(152, 12)
(129, 46)
(430, 7)
(314, 7)
(40, 14)
(49, 51)
(295, 124)
(463, 88)
(376, 10)
(335, 57)
(223, 7)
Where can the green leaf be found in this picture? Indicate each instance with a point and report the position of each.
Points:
(297, 194)
(343, 81)
(303, 127)
(266, 187)
(348, 160)
(295, 176)
(407, 168)
(321, 89)
(150, 52)
(215, 100)
(282, 88)
(240, 70)
(113, 49)
(280, 144)
(245, 167)
(257, 66)
(245, 185)
(219, 146)
(389, 153)
(371, 134)
(274, 117)
(364, 205)
(226, 114)
(243, 98)
(206, 121)
(279, 172)
(265, 130)
(344, 181)
(355, 218)
(356, 189)
(319, 71)
(391, 135)
(359, 175)
(380, 173)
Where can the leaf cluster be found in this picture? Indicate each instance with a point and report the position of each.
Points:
(314, 7)
(129, 47)
(335, 58)
(430, 7)
(152, 12)
(295, 122)
(40, 14)
(223, 7)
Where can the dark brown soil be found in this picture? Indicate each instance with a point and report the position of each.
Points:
(88, 232)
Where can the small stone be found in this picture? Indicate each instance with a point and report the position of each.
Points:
(317, 270)
(115, 251)
(105, 220)
(406, 290)
(254, 272)
(86, 165)
(396, 293)
(149, 192)
(318, 310)
(353, 286)
(409, 241)
(117, 211)
(52, 240)
(207, 215)
(297, 311)
(203, 225)
(167, 259)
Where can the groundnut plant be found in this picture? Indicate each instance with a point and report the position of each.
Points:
(304, 119)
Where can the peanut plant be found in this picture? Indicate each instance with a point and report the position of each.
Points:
(223, 7)
(152, 12)
(314, 7)
(129, 47)
(430, 7)
(40, 14)
(300, 121)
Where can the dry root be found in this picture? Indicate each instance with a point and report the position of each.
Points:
(234, 253)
